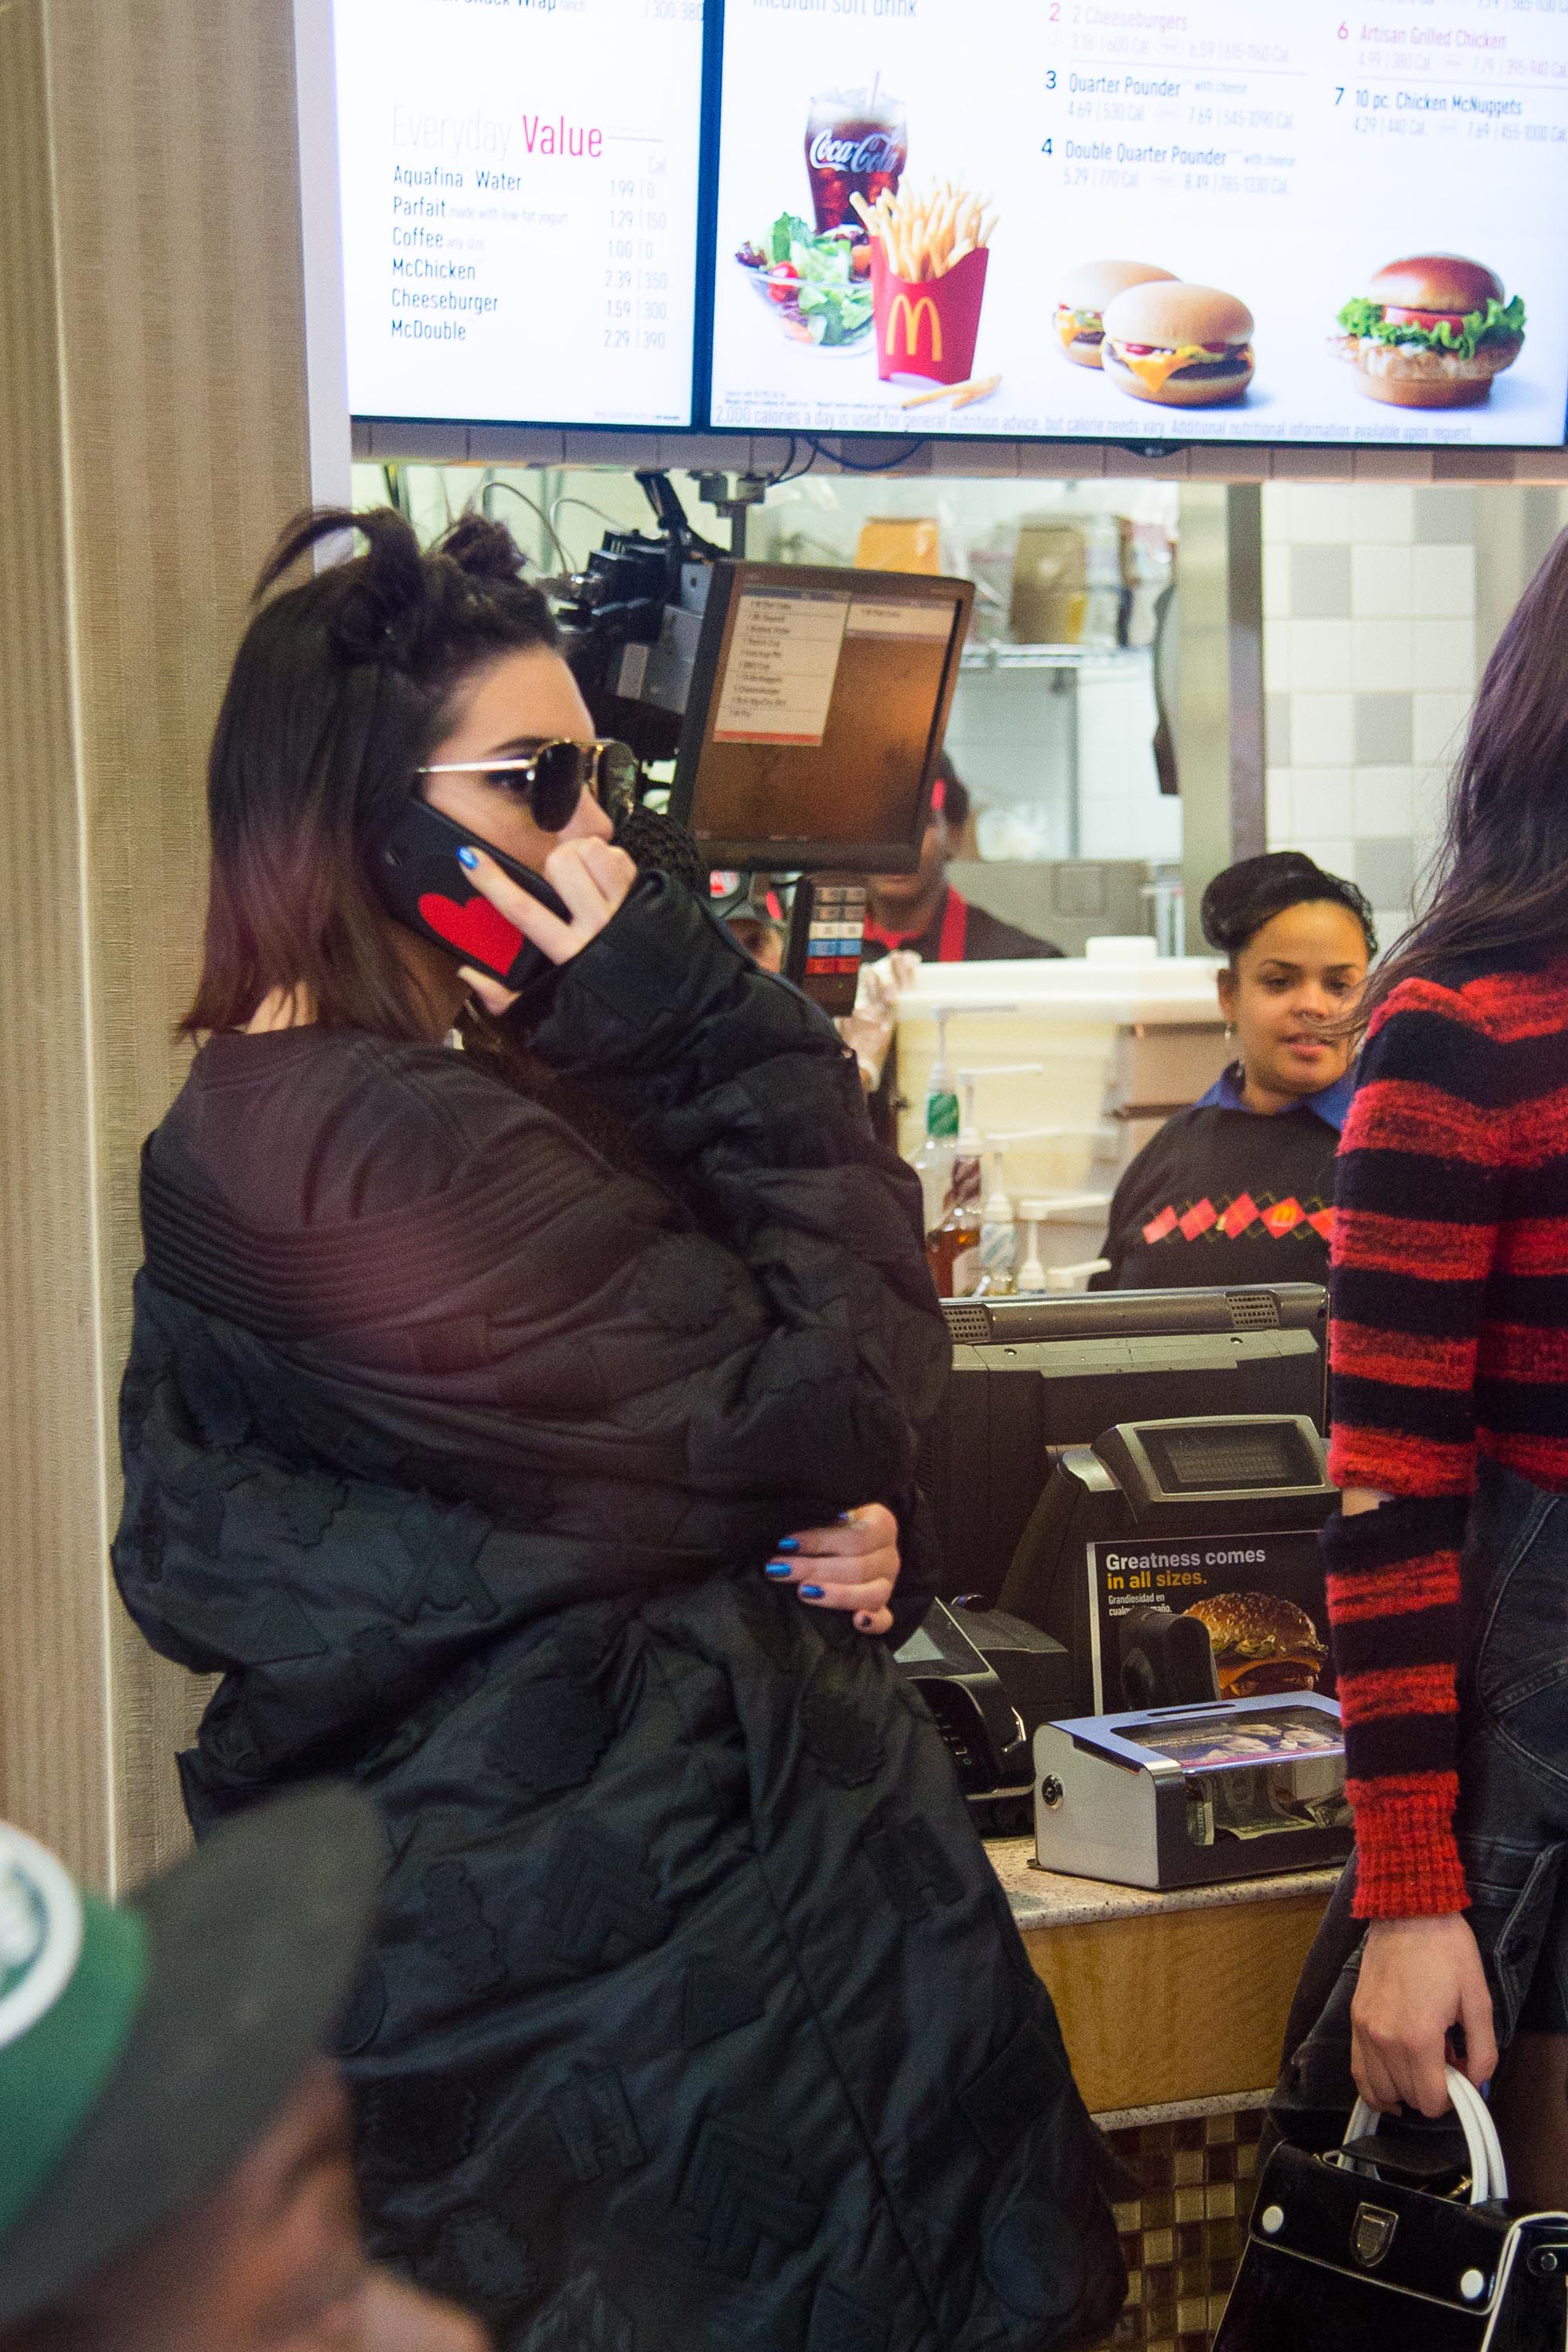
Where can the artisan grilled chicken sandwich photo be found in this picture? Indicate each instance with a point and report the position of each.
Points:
(1432, 331)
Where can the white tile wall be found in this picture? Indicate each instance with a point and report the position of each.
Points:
(1444, 654)
(1445, 580)
(1321, 729)
(1380, 582)
(1322, 803)
(1382, 657)
(1382, 802)
(1439, 721)
(1380, 512)
(1320, 655)
(1397, 621)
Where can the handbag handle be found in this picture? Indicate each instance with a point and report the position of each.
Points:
(1488, 2173)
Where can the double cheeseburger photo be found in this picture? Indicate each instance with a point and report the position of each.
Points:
(1154, 336)
(1263, 1645)
(1432, 331)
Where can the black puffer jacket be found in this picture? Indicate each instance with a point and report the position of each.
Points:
(695, 2018)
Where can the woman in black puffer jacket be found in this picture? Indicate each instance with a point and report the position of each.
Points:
(471, 1395)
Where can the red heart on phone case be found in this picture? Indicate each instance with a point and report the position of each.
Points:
(475, 929)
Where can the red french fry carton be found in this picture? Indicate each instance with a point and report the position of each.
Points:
(928, 330)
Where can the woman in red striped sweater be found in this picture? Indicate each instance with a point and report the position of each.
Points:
(1448, 1564)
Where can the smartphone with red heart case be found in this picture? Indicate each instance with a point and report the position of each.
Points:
(419, 880)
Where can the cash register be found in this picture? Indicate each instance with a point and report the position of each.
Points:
(1172, 1557)
(1187, 1547)
(1214, 1517)
(1034, 1375)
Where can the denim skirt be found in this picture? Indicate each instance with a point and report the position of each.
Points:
(1512, 1822)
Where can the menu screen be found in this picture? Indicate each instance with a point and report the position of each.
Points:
(519, 185)
(1123, 220)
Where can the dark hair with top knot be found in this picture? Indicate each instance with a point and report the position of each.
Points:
(1238, 902)
(339, 690)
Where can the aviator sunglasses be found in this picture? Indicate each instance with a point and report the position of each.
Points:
(551, 777)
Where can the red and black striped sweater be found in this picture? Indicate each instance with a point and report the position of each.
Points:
(1449, 1342)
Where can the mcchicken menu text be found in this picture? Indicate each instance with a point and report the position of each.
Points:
(1129, 221)
(520, 188)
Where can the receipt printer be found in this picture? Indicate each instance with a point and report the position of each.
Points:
(1216, 1518)
(1186, 1796)
(988, 1680)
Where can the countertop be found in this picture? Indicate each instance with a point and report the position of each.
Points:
(1046, 1899)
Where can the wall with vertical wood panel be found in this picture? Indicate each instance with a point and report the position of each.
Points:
(152, 437)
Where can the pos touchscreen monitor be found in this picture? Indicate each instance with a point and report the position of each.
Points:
(816, 709)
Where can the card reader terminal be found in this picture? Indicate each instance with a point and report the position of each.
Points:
(1215, 1517)
(827, 924)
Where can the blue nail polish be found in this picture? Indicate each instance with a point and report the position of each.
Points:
(811, 1592)
(846, 1519)
(778, 1567)
(787, 1543)
(467, 857)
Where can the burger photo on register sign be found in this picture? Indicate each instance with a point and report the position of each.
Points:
(1432, 331)
(1263, 1644)
(1181, 346)
(1081, 299)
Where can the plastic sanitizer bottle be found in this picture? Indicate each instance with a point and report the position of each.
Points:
(1031, 1273)
(965, 1183)
(998, 1234)
(933, 1161)
(952, 1247)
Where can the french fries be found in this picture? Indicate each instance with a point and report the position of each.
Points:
(924, 236)
(962, 395)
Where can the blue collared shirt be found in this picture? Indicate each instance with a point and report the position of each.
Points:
(1331, 1103)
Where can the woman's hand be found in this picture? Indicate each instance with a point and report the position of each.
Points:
(590, 875)
(390, 2316)
(854, 1565)
(1419, 1979)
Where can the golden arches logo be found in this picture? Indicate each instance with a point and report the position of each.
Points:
(924, 308)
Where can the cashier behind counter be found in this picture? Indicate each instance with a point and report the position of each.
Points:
(922, 912)
(1239, 1189)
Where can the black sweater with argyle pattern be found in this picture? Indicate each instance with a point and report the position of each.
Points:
(1224, 1196)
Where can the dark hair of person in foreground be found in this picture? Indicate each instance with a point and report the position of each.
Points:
(339, 690)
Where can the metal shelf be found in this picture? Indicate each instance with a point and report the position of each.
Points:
(987, 656)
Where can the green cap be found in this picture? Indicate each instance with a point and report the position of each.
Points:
(144, 2049)
(72, 1972)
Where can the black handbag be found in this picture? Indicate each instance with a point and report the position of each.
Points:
(1342, 2254)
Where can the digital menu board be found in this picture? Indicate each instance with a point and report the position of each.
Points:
(1126, 221)
(519, 199)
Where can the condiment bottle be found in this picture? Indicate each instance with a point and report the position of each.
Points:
(965, 1182)
(1031, 1273)
(998, 1235)
(933, 1161)
(952, 1251)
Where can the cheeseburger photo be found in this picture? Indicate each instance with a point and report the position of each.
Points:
(1183, 346)
(1431, 332)
(1081, 305)
(1263, 1645)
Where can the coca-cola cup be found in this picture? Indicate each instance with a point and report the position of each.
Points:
(855, 144)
